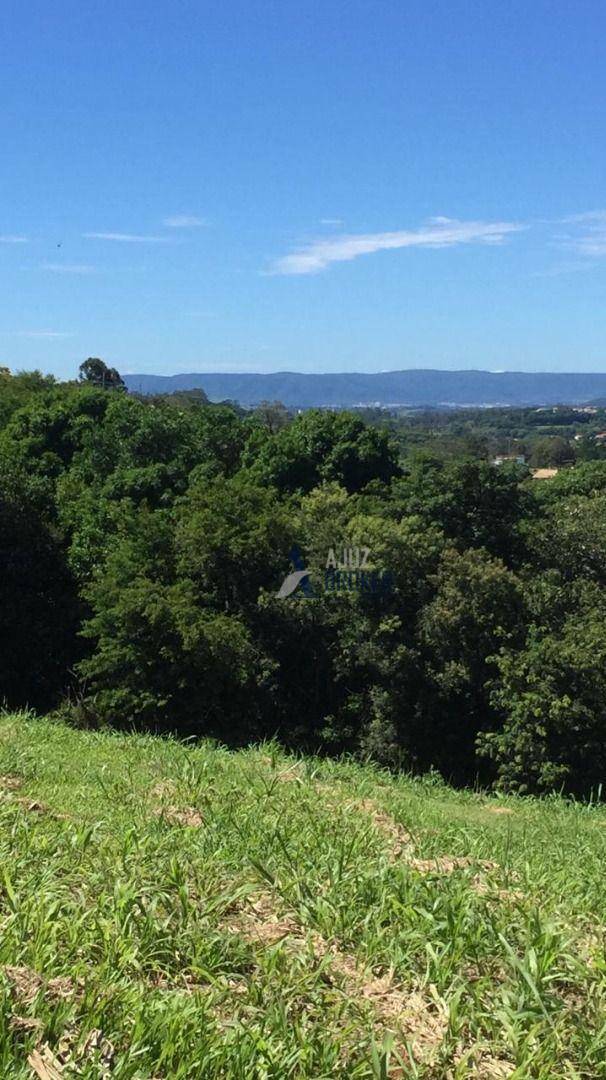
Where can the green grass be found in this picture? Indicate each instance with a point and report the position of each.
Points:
(175, 911)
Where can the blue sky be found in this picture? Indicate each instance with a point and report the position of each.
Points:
(270, 185)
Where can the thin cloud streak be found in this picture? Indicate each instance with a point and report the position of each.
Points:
(593, 245)
(14, 240)
(125, 238)
(590, 240)
(184, 221)
(68, 268)
(562, 268)
(589, 215)
(41, 334)
(439, 232)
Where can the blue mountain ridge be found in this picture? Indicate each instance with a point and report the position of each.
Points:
(415, 387)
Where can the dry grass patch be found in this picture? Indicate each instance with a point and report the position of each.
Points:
(401, 840)
(25, 1025)
(494, 892)
(10, 783)
(176, 815)
(33, 806)
(258, 922)
(421, 1021)
(77, 1057)
(163, 789)
(402, 844)
(45, 1065)
(26, 984)
(183, 984)
(447, 864)
(187, 815)
(482, 1065)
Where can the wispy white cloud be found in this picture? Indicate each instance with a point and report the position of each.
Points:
(41, 334)
(184, 221)
(560, 269)
(593, 245)
(588, 215)
(439, 232)
(125, 238)
(68, 268)
(13, 239)
(588, 235)
(331, 221)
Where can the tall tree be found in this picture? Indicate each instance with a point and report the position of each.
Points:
(97, 372)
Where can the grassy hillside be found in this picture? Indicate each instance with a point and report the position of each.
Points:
(175, 912)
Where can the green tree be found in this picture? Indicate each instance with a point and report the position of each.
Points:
(552, 452)
(571, 536)
(38, 600)
(97, 372)
(231, 538)
(272, 415)
(321, 446)
(474, 503)
(16, 391)
(160, 656)
(584, 479)
(477, 609)
(45, 433)
(551, 698)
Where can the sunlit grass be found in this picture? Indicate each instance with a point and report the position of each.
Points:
(171, 910)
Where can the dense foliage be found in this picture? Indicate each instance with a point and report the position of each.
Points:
(143, 542)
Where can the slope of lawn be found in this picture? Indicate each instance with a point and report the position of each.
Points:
(170, 910)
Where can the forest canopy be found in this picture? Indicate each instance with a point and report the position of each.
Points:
(143, 542)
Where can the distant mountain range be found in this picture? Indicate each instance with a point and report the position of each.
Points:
(415, 387)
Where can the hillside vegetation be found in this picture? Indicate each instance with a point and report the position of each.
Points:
(143, 544)
(183, 912)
